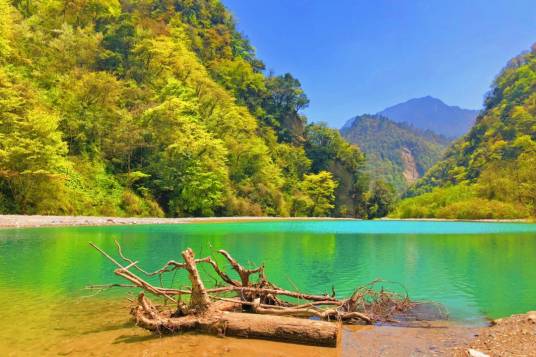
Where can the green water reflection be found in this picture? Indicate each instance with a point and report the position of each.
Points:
(476, 269)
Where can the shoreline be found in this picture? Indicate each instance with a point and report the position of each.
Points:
(36, 221)
(486, 220)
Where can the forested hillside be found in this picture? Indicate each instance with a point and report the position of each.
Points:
(396, 152)
(145, 107)
(491, 172)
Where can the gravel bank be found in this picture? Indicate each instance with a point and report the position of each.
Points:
(21, 221)
(510, 336)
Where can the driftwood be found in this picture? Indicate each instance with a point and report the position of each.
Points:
(247, 307)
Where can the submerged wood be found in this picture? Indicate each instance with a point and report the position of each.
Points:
(252, 308)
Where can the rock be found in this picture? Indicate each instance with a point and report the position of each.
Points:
(476, 353)
(532, 316)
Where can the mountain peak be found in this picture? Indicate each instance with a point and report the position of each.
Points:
(427, 98)
(430, 113)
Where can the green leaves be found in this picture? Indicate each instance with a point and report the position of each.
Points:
(188, 164)
(31, 142)
(131, 108)
(381, 200)
(319, 194)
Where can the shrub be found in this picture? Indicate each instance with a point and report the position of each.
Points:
(479, 208)
(458, 202)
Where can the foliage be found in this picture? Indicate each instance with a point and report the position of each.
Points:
(318, 195)
(151, 108)
(187, 167)
(457, 202)
(381, 199)
(328, 151)
(31, 149)
(497, 158)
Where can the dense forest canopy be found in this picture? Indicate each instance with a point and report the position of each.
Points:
(144, 107)
(491, 172)
(397, 153)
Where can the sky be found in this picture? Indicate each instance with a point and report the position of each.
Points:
(361, 56)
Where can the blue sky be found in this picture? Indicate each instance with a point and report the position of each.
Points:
(357, 56)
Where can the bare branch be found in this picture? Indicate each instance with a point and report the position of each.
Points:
(242, 272)
(214, 310)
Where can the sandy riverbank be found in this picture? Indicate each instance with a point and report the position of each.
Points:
(21, 221)
(510, 336)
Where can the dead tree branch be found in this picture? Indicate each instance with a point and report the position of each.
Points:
(273, 312)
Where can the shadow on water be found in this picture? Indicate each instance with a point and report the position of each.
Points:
(112, 327)
(135, 339)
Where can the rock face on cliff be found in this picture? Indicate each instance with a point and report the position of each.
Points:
(411, 174)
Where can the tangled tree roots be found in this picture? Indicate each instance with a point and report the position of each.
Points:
(254, 308)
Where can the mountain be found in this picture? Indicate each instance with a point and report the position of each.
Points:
(429, 113)
(396, 152)
(157, 108)
(490, 172)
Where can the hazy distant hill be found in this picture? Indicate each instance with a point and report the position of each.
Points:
(396, 152)
(429, 113)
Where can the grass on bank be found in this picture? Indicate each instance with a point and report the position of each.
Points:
(459, 202)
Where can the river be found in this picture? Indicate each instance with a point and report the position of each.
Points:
(476, 270)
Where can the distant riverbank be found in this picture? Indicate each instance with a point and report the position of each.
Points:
(523, 220)
(21, 221)
(26, 221)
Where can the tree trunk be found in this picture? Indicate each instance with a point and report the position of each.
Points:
(239, 324)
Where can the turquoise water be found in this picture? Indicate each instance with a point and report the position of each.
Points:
(477, 270)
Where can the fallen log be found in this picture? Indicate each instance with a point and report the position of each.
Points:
(251, 308)
(238, 324)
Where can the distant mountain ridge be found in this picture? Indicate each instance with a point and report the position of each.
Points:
(397, 153)
(429, 113)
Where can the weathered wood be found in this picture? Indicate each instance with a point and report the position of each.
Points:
(242, 272)
(280, 328)
(199, 299)
(245, 325)
(251, 308)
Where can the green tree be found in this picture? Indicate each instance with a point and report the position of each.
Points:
(139, 106)
(282, 103)
(319, 190)
(188, 165)
(381, 200)
(328, 151)
(31, 149)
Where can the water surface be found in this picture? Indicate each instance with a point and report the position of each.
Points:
(477, 270)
